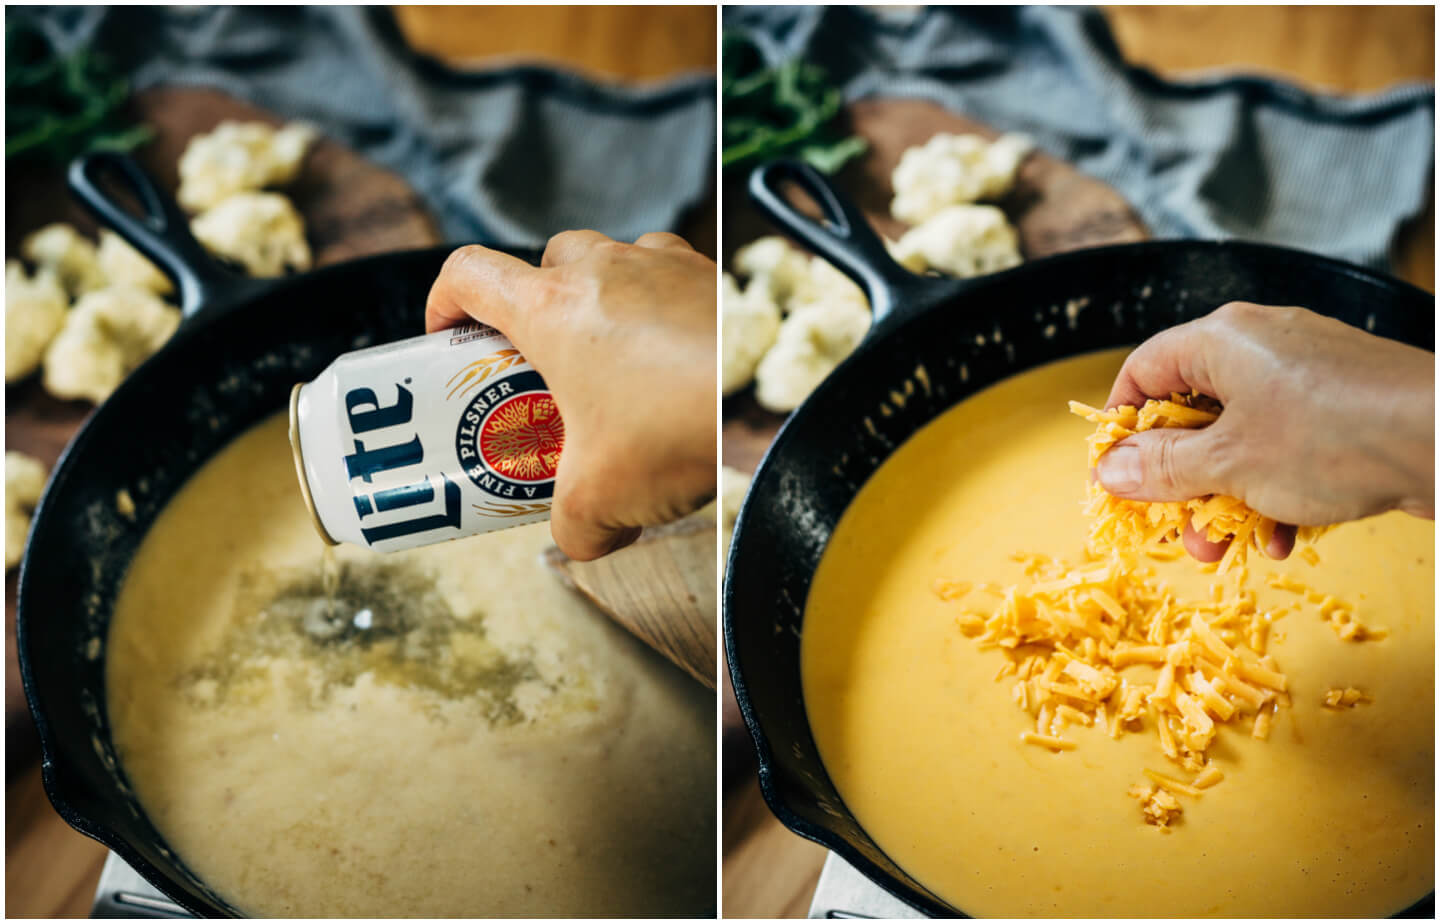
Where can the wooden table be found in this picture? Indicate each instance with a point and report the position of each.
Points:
(769, 872)
(50, 870)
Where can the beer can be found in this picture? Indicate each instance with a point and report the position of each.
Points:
(436, 437)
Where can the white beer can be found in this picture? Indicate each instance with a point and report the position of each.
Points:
(433, 438)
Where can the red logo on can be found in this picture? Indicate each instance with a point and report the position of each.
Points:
(522, 437)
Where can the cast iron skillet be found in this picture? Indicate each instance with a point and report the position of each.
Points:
(932, 344)
(242, 346)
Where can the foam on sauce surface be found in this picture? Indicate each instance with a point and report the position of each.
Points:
(435, 733)
(1333, 815)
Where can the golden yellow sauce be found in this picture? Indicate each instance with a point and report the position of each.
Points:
(467, 739)
(1333, 815)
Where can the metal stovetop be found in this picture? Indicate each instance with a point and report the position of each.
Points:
(123, 894)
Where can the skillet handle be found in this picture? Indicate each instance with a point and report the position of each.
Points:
(161, 233)
(843, 236)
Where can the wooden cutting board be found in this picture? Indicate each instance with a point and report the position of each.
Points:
(1054, 207)
(352, 208)
(661, 589)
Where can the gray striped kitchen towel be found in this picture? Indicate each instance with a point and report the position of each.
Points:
(1217, 157)
(508, 156)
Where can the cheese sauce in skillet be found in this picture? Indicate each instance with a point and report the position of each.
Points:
(1333, 815)
(445, 732)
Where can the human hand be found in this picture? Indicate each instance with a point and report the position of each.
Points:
(1323, 423)
(624, 336)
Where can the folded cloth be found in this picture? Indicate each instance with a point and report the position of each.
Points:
(508, 156)
(1216, 157)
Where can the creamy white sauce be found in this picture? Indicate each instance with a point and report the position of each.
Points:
(457, 735)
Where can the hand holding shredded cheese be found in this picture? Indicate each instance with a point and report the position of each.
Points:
(1131, 525)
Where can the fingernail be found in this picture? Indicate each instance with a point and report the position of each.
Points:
(1119, 469)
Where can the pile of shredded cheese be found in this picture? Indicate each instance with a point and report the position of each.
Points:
(1106, 643)
(1130, 525)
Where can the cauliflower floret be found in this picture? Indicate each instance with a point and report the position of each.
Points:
(34, 314)
(733, 486)
(71, 257)
(952, 170)
(106, 335)
(749, 322)
(812, 341)
(961, 240)
(240, 157)
(824, 284)
(259, 230)
(24, 483)
(773, 265)
(123, 265)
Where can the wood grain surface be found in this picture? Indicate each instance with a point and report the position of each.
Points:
(661, 589)
(352, 208)
(769, 872)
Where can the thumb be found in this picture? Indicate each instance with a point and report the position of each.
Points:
(1159, 465)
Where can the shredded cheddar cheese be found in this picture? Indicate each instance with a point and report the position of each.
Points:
(1338, 613)
(1105, 643)
(1158, 806)
(1347, 698)
(1150, 527)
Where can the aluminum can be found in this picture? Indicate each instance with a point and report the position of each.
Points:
(437, 437)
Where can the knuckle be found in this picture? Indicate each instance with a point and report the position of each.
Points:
(564, 239)
(1238, 314)
(459, 261)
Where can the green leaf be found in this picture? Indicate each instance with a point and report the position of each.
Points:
(787, 111)
(59, 107)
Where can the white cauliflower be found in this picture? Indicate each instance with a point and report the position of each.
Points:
(24, 483)
(813, 340)
(824, 284)
(240, 157)
(71, 257)
(774, 265)
(961, 240)
(259, 230)
(123, 265)
(749, 322)
(106, 335)
(953, 170)
(733, 486)
(34, 313)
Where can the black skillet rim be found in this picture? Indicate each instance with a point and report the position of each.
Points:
(881, 331)
(245, 294)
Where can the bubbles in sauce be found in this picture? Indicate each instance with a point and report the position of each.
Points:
(340, 621)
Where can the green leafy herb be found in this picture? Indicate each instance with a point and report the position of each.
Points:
(59, 107)
(786, 111)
